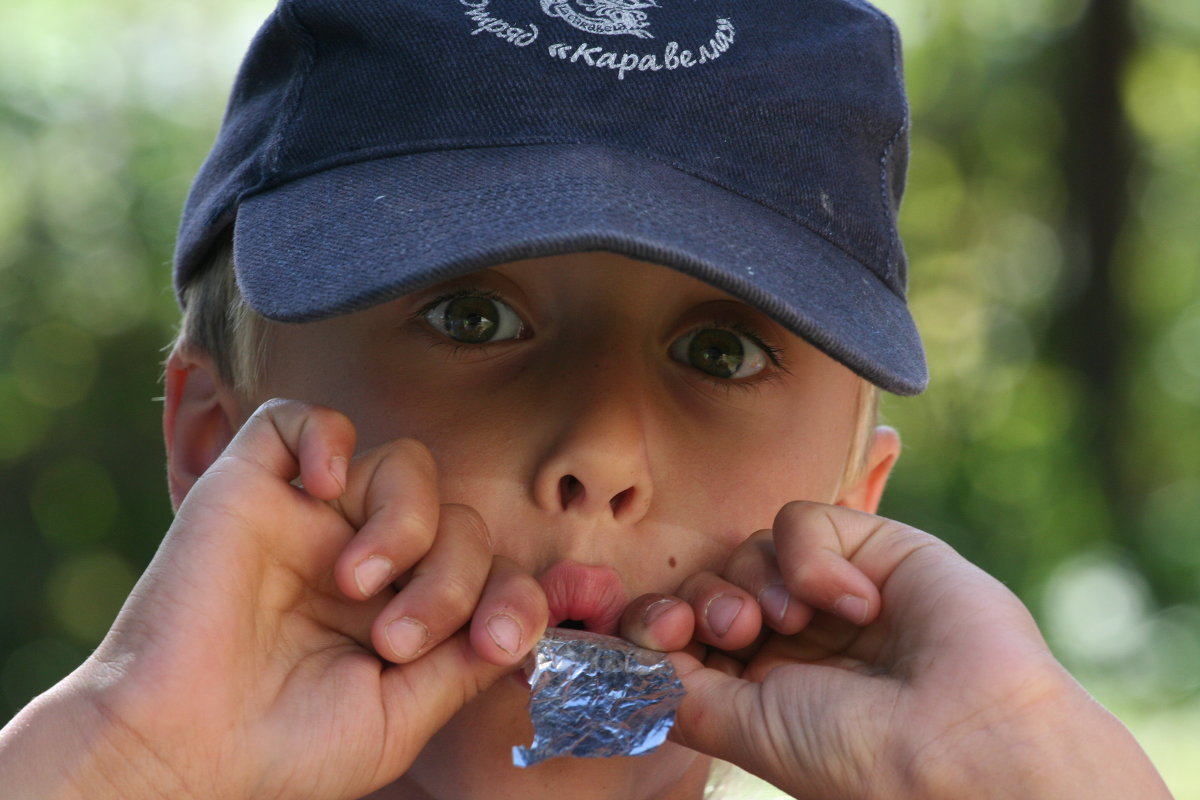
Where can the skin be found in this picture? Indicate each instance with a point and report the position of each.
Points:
(615, 412)
(584, 467)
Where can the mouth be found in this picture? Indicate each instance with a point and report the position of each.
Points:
(581, 597)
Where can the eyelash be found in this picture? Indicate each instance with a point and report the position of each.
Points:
(455, 348)
(456, 294)
(774, 354)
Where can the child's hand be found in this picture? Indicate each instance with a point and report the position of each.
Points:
(888, 666)
(244, 663)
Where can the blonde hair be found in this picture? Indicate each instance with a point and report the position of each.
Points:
(866, 418)
(219, 322)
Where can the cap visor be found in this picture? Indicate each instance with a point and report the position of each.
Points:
(353, 236)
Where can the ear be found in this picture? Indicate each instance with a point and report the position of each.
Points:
(867, 491)
(199, 418)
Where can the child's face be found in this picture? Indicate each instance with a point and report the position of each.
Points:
(593, 409)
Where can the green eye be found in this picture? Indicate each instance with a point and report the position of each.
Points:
(475, 319)
(721, 353)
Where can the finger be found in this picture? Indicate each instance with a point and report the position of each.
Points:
(511, 616)
(392, 498)
(264, 520)
(922, 577)
(727, 616)
(287, 438)
(753, 565)
(712, 717)
(247, 548)
(754, 726)
(818, 547)
(724, 663)
(658, 622)
(443, 591)
(421, 696)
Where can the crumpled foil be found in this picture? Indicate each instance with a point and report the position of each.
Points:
(595, 696)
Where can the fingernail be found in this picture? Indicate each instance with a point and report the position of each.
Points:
(406, 637)
(506, 632)
(657, 609)
(721, 611)
(339, 468)
(372, 574)
(851, 608)
(774, 600)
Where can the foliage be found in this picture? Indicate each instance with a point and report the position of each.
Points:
(1052, 235)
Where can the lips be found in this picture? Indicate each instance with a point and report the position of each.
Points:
(584, 596)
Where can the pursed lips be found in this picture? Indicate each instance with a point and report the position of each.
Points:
(583, 596)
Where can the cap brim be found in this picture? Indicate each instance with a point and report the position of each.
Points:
(353, 236)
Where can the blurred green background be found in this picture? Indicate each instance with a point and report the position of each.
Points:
(1053, 224)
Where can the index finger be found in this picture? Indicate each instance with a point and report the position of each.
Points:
(392, 500)
(290, 439)
(837, 559)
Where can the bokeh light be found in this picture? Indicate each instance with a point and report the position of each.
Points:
(85, 591)
(1081, 494)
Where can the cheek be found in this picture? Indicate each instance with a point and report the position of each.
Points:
(703, 512)
(752, 475)
(724, 495)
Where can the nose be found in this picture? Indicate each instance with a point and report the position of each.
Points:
(596, 463)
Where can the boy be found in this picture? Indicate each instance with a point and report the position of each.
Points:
(578, 308)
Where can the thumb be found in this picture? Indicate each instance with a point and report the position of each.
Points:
(717, 715)
(782, 729)
(421, 696)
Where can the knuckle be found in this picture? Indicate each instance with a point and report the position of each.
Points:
(904, 539)
(325, 415)
(522, 591)
(278, 409)
(275, 405)
(696, 585)
(752, 553)
(806, 573)
(416, 455)
(467, 520)
(414, 527)
(458, 594)
(801, 514)
(286, 410)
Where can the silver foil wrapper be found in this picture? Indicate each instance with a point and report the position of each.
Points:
(594, 696)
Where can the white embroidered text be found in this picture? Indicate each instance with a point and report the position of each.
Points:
(485, 22)
(672, 57)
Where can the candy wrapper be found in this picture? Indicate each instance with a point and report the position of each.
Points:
(595, 696)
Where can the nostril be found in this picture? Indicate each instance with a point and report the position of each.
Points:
(569, 488)
(620, 500)
(572, 492)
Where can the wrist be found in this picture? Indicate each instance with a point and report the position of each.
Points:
(1055, 741)
(66, 745)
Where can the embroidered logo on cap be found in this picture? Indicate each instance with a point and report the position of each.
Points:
(606, 18)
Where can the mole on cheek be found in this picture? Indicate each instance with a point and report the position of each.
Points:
(671, 562)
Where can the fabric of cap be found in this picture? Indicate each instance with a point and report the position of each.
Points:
(372, 148)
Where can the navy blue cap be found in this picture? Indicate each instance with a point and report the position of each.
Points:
(375, 147)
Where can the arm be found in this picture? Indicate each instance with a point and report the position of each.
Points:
(62, 746)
